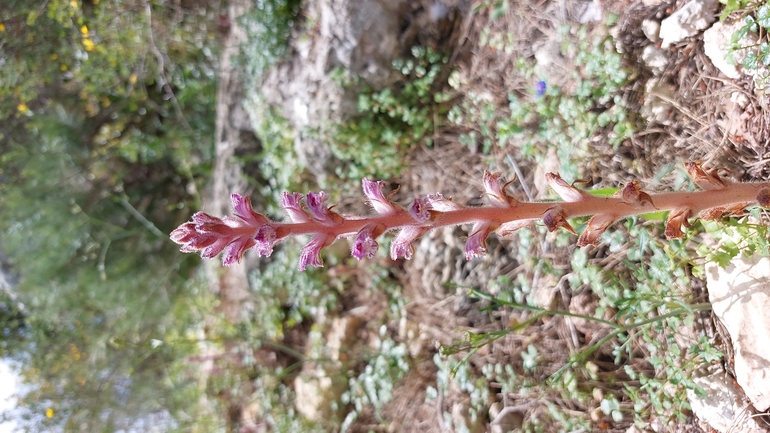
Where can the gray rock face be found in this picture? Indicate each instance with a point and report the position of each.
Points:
(357, 39)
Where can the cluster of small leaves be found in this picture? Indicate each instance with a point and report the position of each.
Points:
(645, 295)
(734, 6)
(756, 55)
(454, 373)
(390, 121)
(373, 387)
(736, 236)
(550, 117)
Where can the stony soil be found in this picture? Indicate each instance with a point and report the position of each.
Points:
(699, 123)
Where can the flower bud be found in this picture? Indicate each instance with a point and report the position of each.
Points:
(566, 191)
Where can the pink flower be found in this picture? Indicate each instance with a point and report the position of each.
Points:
(380, 203)
(476, 245)
(316, 203)
(365, 245)
(242, 207)
(204, 234)
(265, 240)
(290, 202)
(402, 244)
(509, 227)
(420, 210)
(311, 254)
(235, 250)
(496, 191)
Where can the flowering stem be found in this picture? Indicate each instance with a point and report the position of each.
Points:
(310, 215)
(695, 201)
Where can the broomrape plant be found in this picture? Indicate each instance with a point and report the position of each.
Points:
(309, 214)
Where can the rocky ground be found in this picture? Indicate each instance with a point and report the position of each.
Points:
(695, 106)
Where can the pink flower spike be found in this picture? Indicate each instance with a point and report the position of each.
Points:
(420, 210)
(290, 202)
(265, 240)
(365, 245)
(402, 244)
(311, 254)
(440, 204)
(380, 203)
(476, 245)
(496, 191)
(242, 208)
(566, 191)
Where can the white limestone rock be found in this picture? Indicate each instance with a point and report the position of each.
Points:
(716, 45)
(740, 295)
(651, 29)
(655, 59)
(656, 108)
(723, 407)
(695, 16)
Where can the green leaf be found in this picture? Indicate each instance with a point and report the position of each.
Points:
(751, 61)
(764, 53)
(763, 15)
(741, 32)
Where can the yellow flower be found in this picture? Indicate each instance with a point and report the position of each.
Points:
(63, 68)
(49, 413)
(2, 27)
(84, 31)
(132, 79)
(22, 107)
(54, 56)
(74, 4)
(88, 44)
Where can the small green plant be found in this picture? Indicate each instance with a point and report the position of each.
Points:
(736, 5)
(551, 117)
(373, 387)
(389, 121)
(755, 55)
